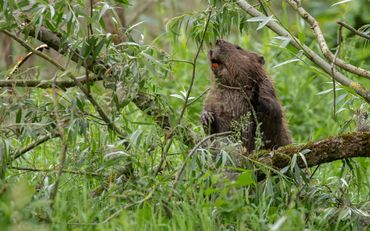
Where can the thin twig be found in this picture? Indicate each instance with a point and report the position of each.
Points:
(359, 33)
(63, 154)
(309, 179)
(258, 4)
(55, 170)
(89, 33)
(46, 83)
(23, 60)
(339, 42)
(262, 7)
(278, 29)
(185, 105)
(198, 97)
(32, 146)
(90, 29)
(322, 43)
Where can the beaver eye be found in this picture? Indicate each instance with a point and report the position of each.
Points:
(238, 47)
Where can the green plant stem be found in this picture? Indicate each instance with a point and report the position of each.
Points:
(63, 154)
(185, 105)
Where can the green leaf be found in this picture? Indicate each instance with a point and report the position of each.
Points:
(262, 19)
(18, 117)
(245, 179)
(3, 159)
(286, 62)
(341, 2)
(126, 2)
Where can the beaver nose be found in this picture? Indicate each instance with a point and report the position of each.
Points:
(219, 42)
(210, 53)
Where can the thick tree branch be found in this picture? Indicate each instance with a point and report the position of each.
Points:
(350, 145)
(322, 43)
(278, 29)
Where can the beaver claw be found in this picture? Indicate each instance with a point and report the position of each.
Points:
(207, 118)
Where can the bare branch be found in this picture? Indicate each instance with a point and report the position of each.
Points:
(45, 83)
(54, 170)
(32, 146)
(23, 60)
(278, 29)
(359, 33)
(322, 43)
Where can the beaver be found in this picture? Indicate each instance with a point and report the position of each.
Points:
(241, 88)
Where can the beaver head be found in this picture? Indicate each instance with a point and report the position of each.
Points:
(233, 66)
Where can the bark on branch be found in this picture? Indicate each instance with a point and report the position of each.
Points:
(350, 145)
(322, 43)
(359, 33)
(44, 83)
(325, 66)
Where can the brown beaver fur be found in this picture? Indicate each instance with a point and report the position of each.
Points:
(240, 83)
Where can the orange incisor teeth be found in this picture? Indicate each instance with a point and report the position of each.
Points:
(215, 65)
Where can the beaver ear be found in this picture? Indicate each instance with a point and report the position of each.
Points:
(261, 60)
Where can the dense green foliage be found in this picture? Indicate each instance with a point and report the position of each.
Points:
(97, 192)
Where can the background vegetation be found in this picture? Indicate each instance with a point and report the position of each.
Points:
(113, 181)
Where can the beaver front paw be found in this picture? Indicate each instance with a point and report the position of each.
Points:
(207, 118)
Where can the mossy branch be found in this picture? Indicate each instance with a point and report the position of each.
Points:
(350, 145)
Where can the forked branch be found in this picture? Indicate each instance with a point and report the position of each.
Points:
(322, 43)
(324, 65)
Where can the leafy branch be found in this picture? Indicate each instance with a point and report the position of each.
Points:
(309, 53)
(186, 101)
(322, 43)
(143, 101)
(97, 107)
